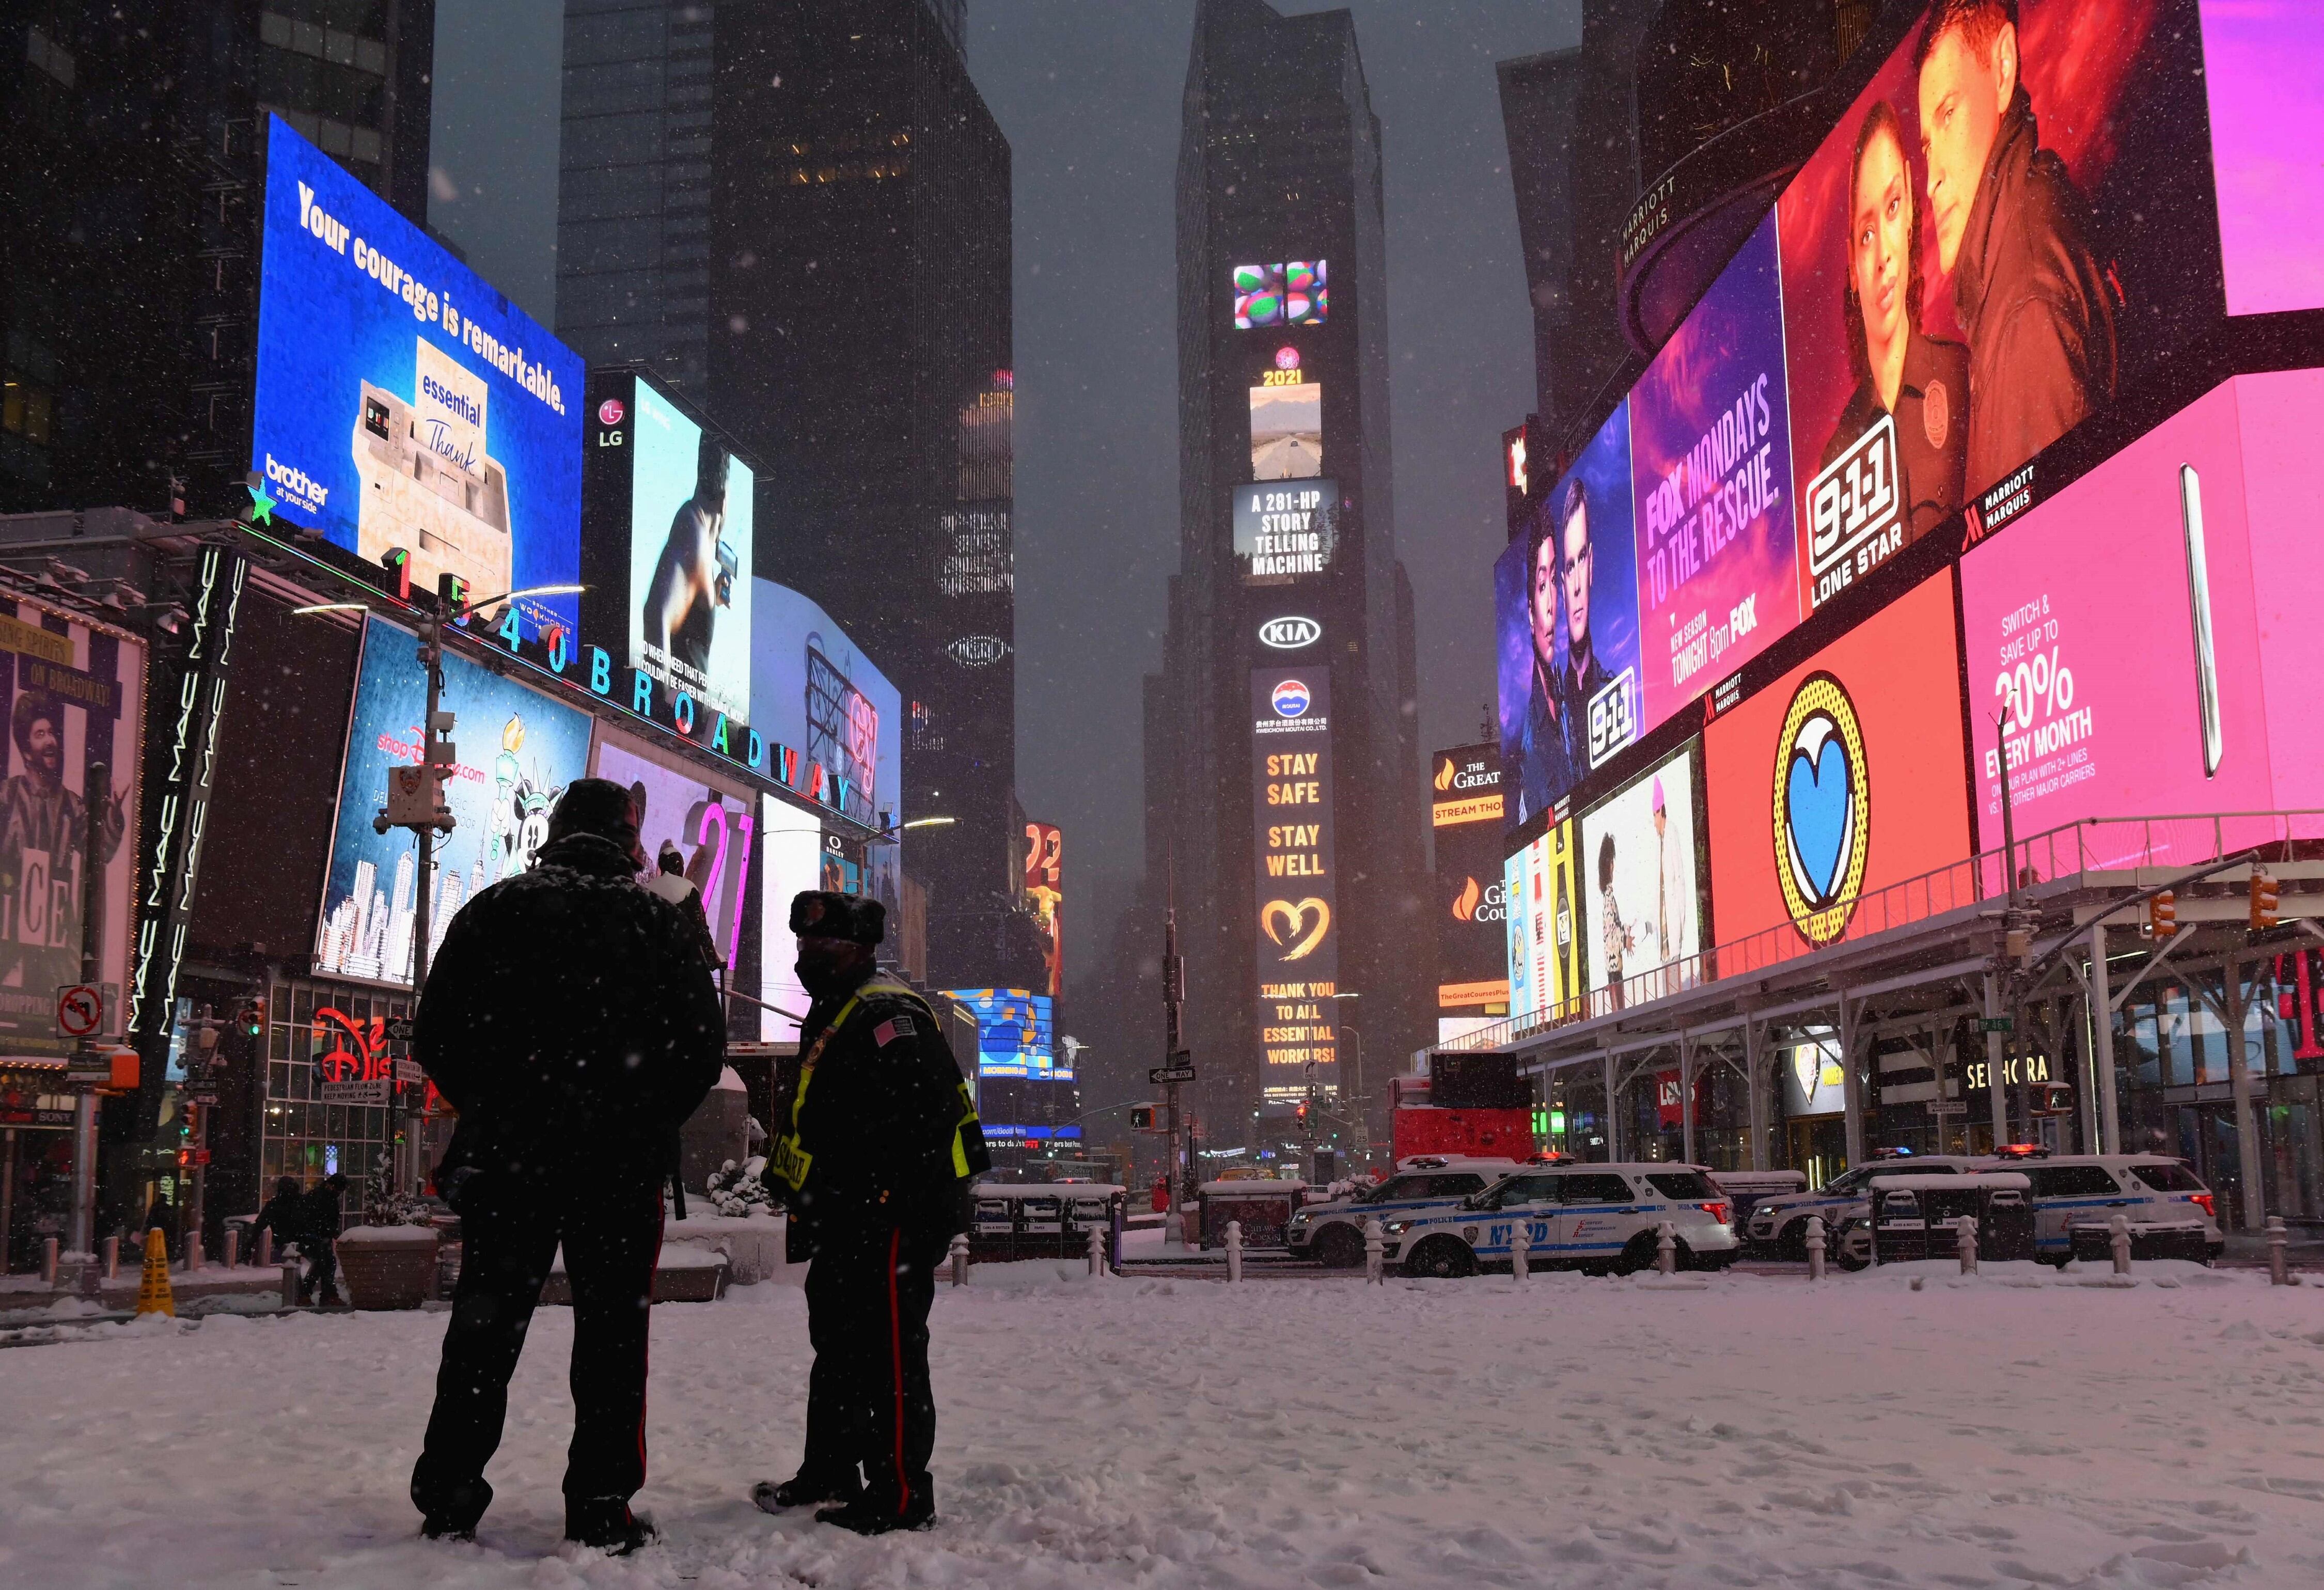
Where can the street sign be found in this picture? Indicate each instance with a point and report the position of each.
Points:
(206, 1096)
(80, 1009)
(408, 1072)
(399, 1029)
(356, 1092)
(1948, 1107)
(76, 1070)
(1170, 1073)
(1997, 1023)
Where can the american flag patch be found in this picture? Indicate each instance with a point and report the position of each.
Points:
(888, 1030)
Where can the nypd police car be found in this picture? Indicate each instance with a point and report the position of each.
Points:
(1597, 1217)
(1334, 1232)
(1780, 1224)
(2089, 1188)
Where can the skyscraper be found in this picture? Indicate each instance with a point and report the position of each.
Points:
(1281, 763)
(129, 268)
(860, 347)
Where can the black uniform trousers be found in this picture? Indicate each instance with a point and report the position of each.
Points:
(869, 1403)
(609, 1221)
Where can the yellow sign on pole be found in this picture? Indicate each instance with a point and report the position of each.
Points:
(153, 1293)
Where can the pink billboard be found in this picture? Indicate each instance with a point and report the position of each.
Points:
(2122, 635)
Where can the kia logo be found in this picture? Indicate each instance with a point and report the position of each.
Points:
(1290, 699)
(610, 411)
(1289, 634)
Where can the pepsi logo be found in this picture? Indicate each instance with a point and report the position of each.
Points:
(1289, 633)
(1290, 699)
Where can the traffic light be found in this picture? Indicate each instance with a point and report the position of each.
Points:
(251, 1017)
(1141, 1117)
(2264, 896)
(2162, 915)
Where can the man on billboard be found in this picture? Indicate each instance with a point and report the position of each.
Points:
(1583, 675)
(2014, 233)
(695, 576)
(1553, 753)
(1675, 893)
(44, 825)
(1919, 381)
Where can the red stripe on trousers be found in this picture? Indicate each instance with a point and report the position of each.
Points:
(896, 1370)
(662, 1217)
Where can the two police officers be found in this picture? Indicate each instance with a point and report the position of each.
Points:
(880, 1141)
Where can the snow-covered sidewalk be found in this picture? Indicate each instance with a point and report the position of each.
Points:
(1736, 1430)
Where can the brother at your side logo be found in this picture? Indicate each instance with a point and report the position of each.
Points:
(1290, 633)
(1290, 699)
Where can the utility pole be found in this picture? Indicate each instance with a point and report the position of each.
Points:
(1173, 997)
(2017, 944)
(425, 818)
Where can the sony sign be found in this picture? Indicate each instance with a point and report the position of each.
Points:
(1290, 634)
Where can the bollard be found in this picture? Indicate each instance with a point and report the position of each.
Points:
(959, 1257)
(1667, 1250)
(266, 1250)
(1375, 1253)
(49, 1260)
(1234, 1250)
(112, 1257)
(233, 1246)
(193, 1251)
(1816, 1247)
(2121, 1244)
(1096, 1253)
(1520, 1247)
(290, 1284)
(1966, 1225)
(2279, 1274)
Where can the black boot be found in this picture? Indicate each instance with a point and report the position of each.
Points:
(804, 1490)
(606, 1524)
(868, 1516)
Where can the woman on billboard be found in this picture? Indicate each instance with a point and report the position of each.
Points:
(1917, 381)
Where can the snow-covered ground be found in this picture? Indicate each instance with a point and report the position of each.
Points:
(1723, 1431)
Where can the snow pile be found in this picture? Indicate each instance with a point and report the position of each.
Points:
(739, 1191)
(1180, 1434)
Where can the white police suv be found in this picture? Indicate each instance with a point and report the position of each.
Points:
(1779, 1226)
(1334, 1232)
(2146, 1190)
(1599, 1217)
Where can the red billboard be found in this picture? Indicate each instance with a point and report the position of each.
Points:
(1844, 777)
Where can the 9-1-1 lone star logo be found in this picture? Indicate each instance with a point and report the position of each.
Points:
(1295, 922)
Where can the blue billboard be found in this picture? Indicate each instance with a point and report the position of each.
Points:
(519, 749)
(404, 404)
(1015, 1033)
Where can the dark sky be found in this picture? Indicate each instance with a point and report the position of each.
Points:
(1087, 93)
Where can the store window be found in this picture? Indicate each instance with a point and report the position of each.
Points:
(309, 1133)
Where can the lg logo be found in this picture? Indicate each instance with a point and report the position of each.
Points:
(1289, 634)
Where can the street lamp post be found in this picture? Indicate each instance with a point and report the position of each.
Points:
(1362, 1104)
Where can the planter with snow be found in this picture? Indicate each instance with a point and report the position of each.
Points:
(388, 1266)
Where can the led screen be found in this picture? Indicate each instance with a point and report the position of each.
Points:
(1471, 912)
(1283, 533)
(712, 827)
(1286, 432)
(1640, 868)
(1962, 289)
(1566, 617)
(1014, 1033)
(76, 700)
(1844, 776)
(519, 750)
(2264, 73)
(1044, 888)
(1547, 955)
(815, 694)
(402, 402)
(2150, 630)
(690, 578)
(790, 863)
(1293, 292)
(1295, 893)
(1710, 466)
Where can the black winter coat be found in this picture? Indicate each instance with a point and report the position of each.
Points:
(571, 1020)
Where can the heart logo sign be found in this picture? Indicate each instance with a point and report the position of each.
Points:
(1295, 922)
(1821, 809)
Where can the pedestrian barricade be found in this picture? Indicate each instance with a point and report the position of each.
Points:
(1043, 1220)
(2091, 1241)
(1917, 1216)
(1263, 1209)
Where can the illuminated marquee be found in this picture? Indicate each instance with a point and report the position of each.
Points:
(1296, 948)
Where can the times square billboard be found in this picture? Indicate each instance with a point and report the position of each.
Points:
(1972, 263)
(1295, 896)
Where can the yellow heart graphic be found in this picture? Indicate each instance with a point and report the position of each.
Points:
(1294, 921)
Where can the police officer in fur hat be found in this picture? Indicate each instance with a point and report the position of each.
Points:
(874, 1162)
